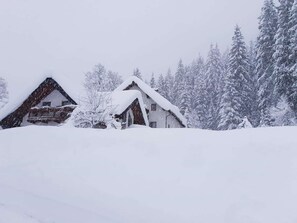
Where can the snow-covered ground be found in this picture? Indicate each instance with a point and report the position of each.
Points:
(66, 175)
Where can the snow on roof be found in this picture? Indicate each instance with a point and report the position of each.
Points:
(18, 96)
(121, 100)
(159, 99)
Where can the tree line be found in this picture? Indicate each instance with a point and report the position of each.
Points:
(252, 84)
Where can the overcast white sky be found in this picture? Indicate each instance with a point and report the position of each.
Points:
(68, 37)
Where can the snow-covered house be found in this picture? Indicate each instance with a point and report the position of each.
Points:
(52, 104)
(161, 113)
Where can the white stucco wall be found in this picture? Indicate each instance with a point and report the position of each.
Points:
(159, 115)
(55, 98)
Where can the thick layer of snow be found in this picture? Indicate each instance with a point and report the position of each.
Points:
(159, 99)
(51, 174)
(121, 100)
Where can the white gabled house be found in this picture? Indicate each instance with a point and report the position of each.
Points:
(161, 113)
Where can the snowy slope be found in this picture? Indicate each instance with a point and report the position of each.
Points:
(61, 175)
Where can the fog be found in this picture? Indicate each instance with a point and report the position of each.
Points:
(68, 37)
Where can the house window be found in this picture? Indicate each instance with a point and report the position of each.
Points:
(153, 124)
(46, 103)
(64, 103)
(153, 107)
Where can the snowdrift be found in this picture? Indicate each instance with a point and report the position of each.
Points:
(66, 175)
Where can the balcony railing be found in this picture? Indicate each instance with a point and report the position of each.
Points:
(50, 114)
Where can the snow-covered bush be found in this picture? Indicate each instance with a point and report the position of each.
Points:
(95, 111)
(245, 124)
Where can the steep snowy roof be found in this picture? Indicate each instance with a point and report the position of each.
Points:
(18, 96)
(119, 101)
(159, 99)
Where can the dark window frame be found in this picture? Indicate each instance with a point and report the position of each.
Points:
(154, 107)
(64, 103)
(153, 124)
(46, 103)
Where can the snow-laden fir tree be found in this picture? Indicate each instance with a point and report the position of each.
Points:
(213, 80)
(162, 87)
(254, 117)
(169, 86)
(179, 84)
(265, 62)
(199, 95)
(292, 93)
(3, 92)
(185, 92)
(137, 73)
(236, 101)
(153, 82)
(282, 53)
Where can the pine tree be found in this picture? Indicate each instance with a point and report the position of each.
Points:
(254, 117)
(265, 62)
(162, 87)
(185, 93)
(282, 53)
(169, 83)
(152, 81)
(199, 95)
(137, 73)
(178, 87)
(235, 103)
(292, 94)
(213, 86)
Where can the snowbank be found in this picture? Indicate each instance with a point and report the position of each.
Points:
(51, 174)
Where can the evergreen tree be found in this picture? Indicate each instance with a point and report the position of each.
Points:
(185, 93)
(254, 111)
(265, 62)
(179, 84)
(236, 103)
(199, 96)
(292, 94)
(169, 83)
(213, 86)
(152, 81)
(137, 73)
(282, 53)
(162, 87)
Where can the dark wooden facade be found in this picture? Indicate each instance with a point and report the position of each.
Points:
(137, 113)
(15, 118)
(50, 114)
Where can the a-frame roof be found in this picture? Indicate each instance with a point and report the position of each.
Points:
(155, 96)
(14, 113)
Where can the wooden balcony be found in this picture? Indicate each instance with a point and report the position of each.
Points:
(50, 114)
